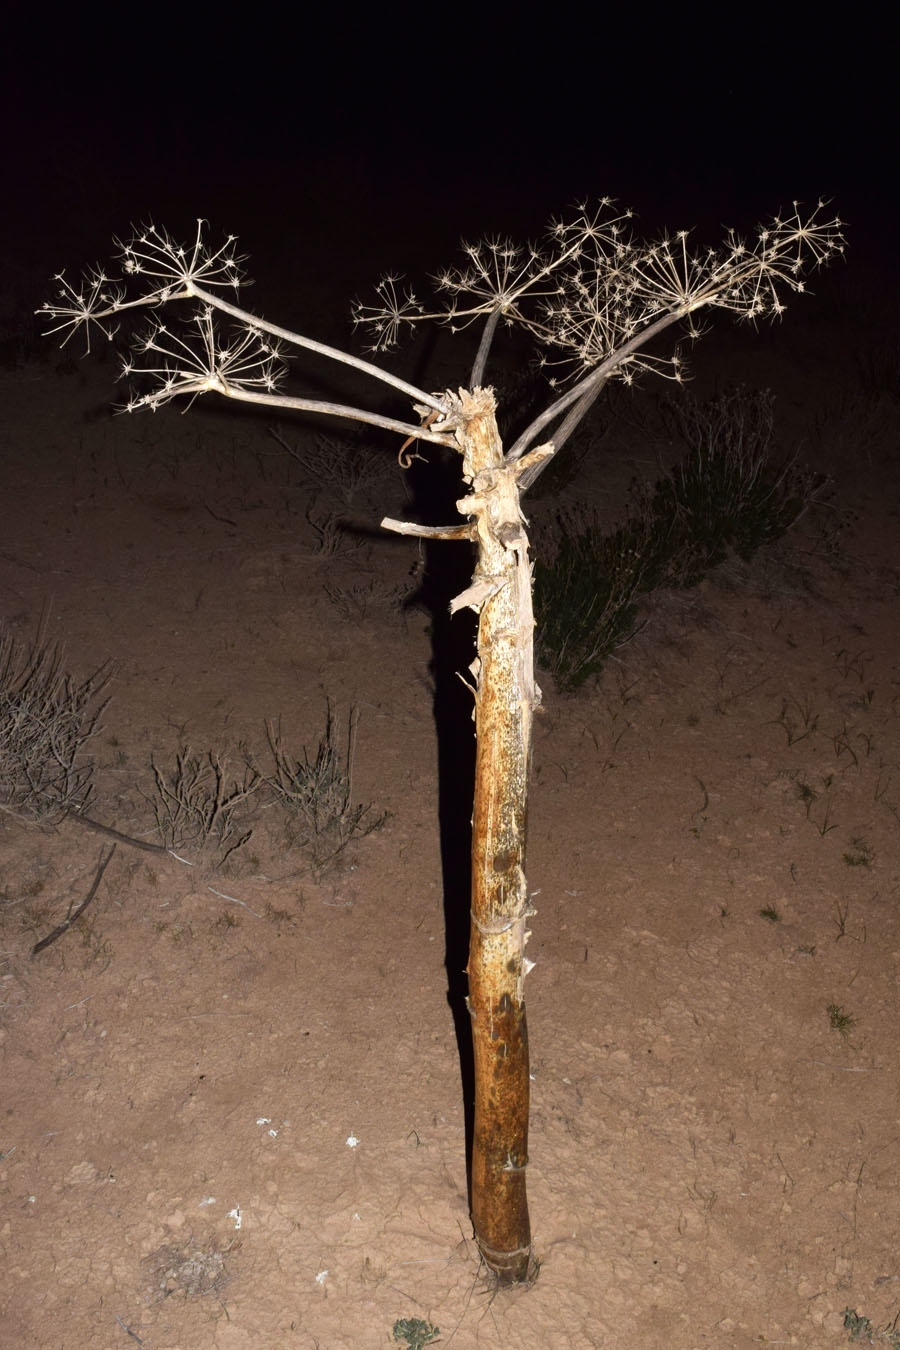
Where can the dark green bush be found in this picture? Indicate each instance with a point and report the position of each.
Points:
(725, 497)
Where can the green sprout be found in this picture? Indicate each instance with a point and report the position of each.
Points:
(415, 1332)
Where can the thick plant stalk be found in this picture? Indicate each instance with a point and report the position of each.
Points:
(505, 699)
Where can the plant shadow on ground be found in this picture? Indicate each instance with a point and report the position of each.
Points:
(446, 571)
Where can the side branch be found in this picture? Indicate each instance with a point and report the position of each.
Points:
(322, 348)
(218, 386)
(467, 531)
(589, 387)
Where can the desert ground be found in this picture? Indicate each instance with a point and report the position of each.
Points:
(234, 1090)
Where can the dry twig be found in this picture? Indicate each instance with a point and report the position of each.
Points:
(72, 916)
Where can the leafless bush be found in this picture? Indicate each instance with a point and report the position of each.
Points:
(317, 793)
(46, 719)
(869, 421)
(198, 809)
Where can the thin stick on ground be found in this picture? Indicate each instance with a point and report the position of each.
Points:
(99, 828)
(71, 917)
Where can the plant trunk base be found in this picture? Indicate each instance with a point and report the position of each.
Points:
(510, 1268)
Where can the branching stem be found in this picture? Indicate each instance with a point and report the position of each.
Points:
(484, 347)
(588, 389)
(329, 410)
(322, 348)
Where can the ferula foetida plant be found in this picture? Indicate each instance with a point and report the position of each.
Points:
(593, 297)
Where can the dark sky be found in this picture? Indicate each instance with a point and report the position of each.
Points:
(397, 135)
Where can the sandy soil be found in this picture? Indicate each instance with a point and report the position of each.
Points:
(234, 1112)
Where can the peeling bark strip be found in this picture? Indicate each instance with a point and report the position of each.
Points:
(505, 699)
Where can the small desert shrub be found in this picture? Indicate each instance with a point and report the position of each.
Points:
(46, 719)
(20, 336)
(726, 496)
(866, 417)
(317, 793)
(839, 1020)
(198, 809)
(587, 595)
(331, 539)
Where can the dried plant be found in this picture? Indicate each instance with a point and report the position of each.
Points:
(198, 809)
(594, 299)
(317, 793)
(47, 718)
(593, 296)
